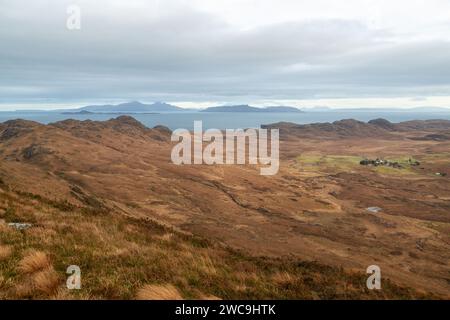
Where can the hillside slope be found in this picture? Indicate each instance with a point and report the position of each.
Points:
(313, 210)
(121, 257)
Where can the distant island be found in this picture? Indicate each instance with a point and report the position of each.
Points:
(136, 107)
(78, 112)
(85, 112)
(247, 108)
(133, 107)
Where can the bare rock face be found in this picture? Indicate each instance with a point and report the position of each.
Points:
(95, 130)
(384, 124)
(161, 133)
(14, 128)
(163, 129)
(34, 150)
(127, 125)
(424, 125)
(20, 225)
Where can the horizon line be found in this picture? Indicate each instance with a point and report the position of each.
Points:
(189, 105)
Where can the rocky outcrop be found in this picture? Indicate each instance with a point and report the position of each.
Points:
(349, 128)
(14, 128)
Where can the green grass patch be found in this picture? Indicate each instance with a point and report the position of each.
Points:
(406, 163)
(328, 162)
(348, 163)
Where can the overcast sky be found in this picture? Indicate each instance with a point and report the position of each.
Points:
(197, 53)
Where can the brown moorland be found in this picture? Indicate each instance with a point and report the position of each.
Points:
(105, 196)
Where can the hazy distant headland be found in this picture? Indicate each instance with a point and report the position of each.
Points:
(136, 107)
(127, 108)
(85, 112)
(156, 107)
(247, 108)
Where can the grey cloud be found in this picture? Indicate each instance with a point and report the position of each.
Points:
(191, 55)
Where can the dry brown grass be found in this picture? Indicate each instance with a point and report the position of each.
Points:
(283, 278)
(206, 265)
(124, 254)
(3, 226)
(34, 261)
(166, 237)
(46, 281)
(158, 292)
(209, 297)
(5, 252)
(23, 290)
(62, 293)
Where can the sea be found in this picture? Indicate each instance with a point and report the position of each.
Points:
(231, 120)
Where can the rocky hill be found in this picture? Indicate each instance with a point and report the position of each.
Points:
(350, 128)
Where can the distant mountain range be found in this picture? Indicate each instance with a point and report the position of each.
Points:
(131, 107)
(247, 108)
(161, 107)
(379, 109)
(138, 107)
